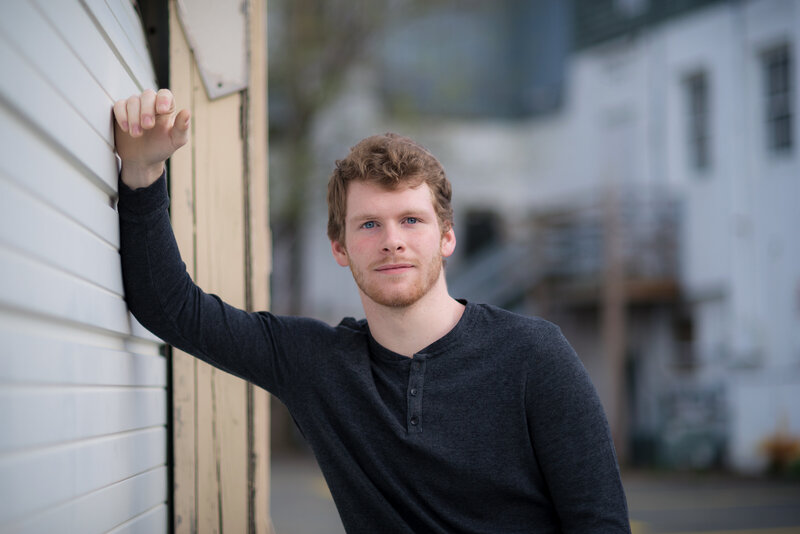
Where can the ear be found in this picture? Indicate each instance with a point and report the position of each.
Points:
(448, 243)
(340, 254)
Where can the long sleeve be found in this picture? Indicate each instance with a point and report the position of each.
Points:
(162, 296)
(572, 443)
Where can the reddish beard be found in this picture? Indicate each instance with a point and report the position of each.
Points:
(386, 293)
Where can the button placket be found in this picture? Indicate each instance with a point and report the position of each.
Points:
(416, 379)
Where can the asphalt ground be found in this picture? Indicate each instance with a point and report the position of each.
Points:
(711, 504)
(659, 503)
(300, 502)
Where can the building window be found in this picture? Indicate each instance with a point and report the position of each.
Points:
(777, 69)
(482, 231)
(699, 120)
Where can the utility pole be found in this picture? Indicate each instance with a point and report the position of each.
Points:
(614, 320)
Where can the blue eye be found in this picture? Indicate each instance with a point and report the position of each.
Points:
(368, 225)
(411, 220)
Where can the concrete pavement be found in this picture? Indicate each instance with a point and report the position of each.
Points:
(300, 501)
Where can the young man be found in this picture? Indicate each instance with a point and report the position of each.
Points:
(432, 415)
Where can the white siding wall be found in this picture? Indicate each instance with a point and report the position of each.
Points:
(83, 404)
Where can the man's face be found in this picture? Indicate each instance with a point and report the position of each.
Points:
(394, 244)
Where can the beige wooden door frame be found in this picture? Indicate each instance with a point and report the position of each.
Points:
(218, 185)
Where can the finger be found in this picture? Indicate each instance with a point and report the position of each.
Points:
(121, 114)
(165, 102)
(133, 106)
(148, 109)
(180, 131)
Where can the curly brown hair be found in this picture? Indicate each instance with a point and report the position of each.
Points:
(391, 161)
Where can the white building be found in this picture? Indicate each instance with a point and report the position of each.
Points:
(698, 106)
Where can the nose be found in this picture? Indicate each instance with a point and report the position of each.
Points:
(392, 240)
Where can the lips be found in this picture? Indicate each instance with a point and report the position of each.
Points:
(394, 268)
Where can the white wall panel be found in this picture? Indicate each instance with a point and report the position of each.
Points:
(52, 177)
(154, 520)
(31, 96)
(83, 399)
(54, 475)
(53, 238)
(45, 52)
(138, 497)
(33, 287)
(66, 356)
(128, 21)
(77, 29)
(33, 416)
(118, 35)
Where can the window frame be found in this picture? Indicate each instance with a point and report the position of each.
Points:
(776, 65)
(697, 97)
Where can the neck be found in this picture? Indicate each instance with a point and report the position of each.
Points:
(407, 330)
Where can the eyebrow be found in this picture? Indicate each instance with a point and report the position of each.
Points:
(369, 216)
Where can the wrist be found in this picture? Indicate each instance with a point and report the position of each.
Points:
(138, 176)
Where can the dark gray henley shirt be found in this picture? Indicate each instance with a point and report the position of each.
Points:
(494, 428)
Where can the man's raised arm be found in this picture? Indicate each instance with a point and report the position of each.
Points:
(147, 131)
(158, 290)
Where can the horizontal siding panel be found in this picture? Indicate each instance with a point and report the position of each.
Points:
(35, 416)
(37, 288)
(34, 359)
(104, 509)
(31, 96)
(127, 17)
(77, 28)
(38, 43)
(127, 52)
(140, 332)
(52, 328)
(51, 237)
(34, 481)
(28, 160)
(152, 521)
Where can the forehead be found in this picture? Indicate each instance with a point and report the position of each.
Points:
(366, 198)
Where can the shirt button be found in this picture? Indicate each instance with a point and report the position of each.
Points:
(413, 391)
(414, 420)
